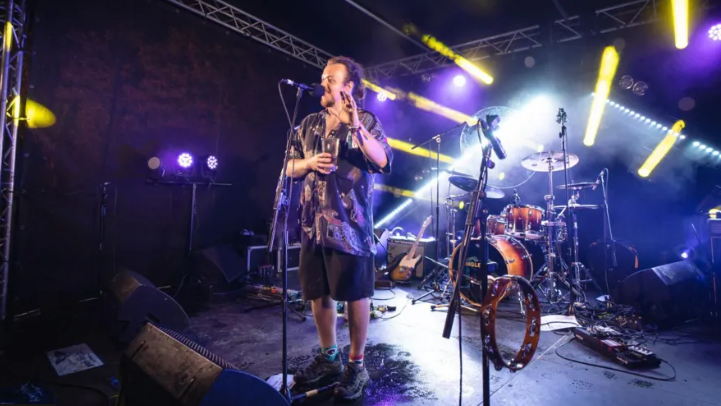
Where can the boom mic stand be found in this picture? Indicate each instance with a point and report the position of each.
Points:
(283, 195)
(476, 211)
(437, 138)
(561, 119)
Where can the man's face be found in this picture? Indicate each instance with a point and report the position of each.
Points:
(333, 80)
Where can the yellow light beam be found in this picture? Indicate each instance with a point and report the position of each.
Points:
(609, 63)
(398, 192)
(407, 147)
(661, 150)
(458, 59)
(680, 23)
(372, 86)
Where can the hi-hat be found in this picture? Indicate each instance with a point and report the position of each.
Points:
(469, 184)
(579, 186)
(541, 161)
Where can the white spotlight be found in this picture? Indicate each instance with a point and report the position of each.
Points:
(714, 153)
(709, 149)
(702, 146)
(648, 120)
(665, 128)
(636, 115)
(696, 143)
(683, 137)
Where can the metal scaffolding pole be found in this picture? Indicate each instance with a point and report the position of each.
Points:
(11, 67)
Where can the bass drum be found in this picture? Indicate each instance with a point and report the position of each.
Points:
(511, 256)
(626, 259)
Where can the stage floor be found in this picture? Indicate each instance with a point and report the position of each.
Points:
(410, 363)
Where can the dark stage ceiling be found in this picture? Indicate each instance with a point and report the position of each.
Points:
(338, 27)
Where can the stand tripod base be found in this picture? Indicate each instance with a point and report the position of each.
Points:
(465, 307)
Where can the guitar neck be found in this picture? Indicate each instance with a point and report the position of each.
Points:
(412, 252)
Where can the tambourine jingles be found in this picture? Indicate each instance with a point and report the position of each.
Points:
(497, 290)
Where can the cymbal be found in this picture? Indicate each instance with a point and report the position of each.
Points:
(539, 162)
(580, 207)
(469, 184)
(579, 186)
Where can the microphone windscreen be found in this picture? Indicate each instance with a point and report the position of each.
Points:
(318, 90)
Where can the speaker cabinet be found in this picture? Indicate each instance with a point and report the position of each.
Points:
(162, 367)
(220, 270)
(399, 246)
(133, 300)
(664, 294)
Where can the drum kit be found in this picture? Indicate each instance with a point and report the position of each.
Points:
(520, 227)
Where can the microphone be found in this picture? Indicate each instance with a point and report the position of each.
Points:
(314, 89)
(488, 126)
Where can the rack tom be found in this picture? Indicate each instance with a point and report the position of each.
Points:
(524, 221)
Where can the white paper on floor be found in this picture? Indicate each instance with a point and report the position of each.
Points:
(73, 359)
(552, 322)
(276, 380)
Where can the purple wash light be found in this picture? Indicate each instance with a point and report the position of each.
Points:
(212, 162)
(459, 80)
(185, 160)
(715, 32)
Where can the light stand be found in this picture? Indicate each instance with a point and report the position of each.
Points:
(283, 189)
(476, 211)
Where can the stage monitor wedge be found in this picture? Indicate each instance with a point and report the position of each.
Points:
(162, 367)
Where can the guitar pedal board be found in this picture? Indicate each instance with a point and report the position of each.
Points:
(605, 341)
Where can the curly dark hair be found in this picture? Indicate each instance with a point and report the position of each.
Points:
(355, 74)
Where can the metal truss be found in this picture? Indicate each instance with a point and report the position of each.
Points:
(11, 68)
(245, 24)
(609, 19)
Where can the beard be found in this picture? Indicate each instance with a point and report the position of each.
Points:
(327, 100)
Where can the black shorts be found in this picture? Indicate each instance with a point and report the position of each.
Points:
(325, 271)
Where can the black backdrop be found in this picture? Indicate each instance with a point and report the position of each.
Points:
(127, 80)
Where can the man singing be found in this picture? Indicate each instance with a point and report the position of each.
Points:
(337, 245)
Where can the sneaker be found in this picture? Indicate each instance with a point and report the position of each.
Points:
(354, 380)
(318, 369)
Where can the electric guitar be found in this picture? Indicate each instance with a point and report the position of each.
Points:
(404, 269)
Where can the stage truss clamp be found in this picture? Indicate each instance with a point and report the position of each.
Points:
(11, 68)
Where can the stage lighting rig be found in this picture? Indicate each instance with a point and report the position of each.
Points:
(155, 168)
(209, 166)
(185, 165)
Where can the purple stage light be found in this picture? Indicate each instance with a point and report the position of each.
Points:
(185, 160)
(459, 80)
(212, 162)
(715, 32)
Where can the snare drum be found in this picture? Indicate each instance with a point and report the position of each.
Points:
(524, 221)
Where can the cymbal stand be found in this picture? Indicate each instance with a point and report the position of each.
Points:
(562, 118)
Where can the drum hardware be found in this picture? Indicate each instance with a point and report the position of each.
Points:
(435, 286)
(469, 184)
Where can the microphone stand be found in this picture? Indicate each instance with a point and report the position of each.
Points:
(608, 234)
(561, 118)
(437, 138)
(475, 212)
(283, 195)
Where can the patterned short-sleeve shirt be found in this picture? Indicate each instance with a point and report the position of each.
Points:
(337, 209)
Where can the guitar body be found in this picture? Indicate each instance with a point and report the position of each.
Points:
(404, 269)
